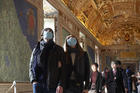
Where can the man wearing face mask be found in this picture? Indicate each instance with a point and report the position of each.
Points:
(77, 67)
(47, 63)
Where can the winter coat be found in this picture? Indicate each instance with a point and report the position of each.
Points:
(99, 82)
(44, 65)
(81, 69)
(115, 82)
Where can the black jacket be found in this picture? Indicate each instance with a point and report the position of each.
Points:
(105, 76)
(48, 72)
(99, 81)
(124, 75)
(115, 85)
(81, 68)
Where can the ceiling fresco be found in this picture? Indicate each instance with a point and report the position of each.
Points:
(109, 21)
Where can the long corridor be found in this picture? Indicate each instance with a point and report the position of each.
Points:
(107, 31)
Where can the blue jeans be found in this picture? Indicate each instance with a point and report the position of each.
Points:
(42, 88)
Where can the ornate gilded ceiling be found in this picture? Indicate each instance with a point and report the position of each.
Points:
(110, 21)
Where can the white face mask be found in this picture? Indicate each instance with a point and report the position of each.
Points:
(47, 35)
(72, 41)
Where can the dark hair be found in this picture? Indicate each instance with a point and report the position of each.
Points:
(118, 62)
(95, 64)
(106, 68)
(66, 47)
(128, 67)
(46, 29)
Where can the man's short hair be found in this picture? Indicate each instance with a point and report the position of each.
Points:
(46, 29)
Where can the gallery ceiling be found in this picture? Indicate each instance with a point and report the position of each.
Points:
(48, 9)
(110, 21)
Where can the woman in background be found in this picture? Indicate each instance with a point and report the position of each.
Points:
(96, 79)
(115, 81)
(105, 75)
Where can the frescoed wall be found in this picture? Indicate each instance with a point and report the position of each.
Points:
(27, 16)
(18, 35)
(91, 54)
(65, 34)
(108, 61)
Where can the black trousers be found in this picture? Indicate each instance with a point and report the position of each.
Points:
(74, 87)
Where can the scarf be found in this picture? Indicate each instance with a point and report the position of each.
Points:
(45, 47)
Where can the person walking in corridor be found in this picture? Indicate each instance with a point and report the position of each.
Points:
(105, 75)
(47, 65)
(96, 80)
(115, 80)
(123, 72)
(134, 83)
(77, 67)
(129, 79)
(138, 82)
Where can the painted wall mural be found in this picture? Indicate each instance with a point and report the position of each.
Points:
(91, 54)
(27, 15)
(108, 61)
(18, 35)
(65, 34)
